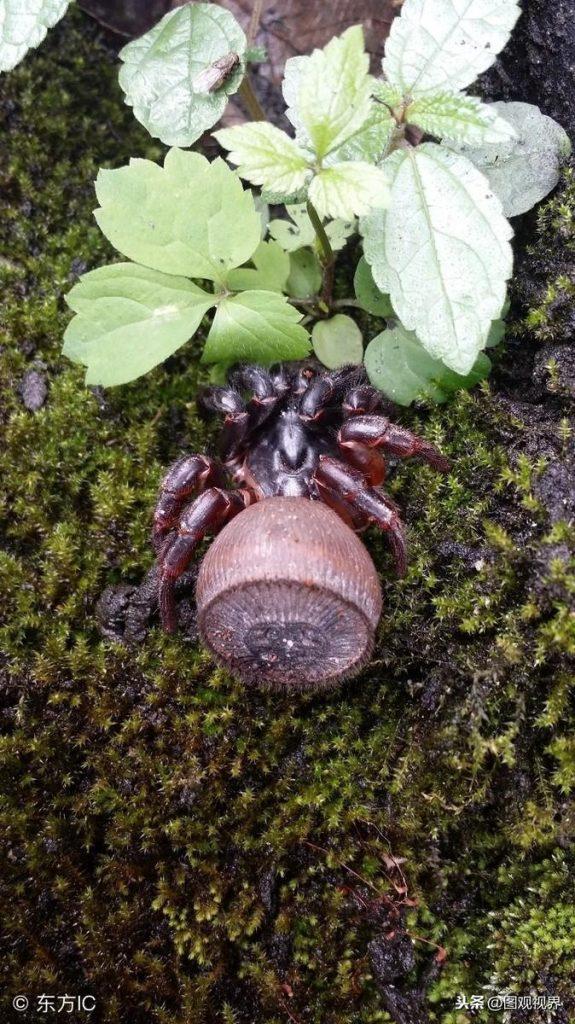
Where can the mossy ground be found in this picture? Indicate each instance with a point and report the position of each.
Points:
(188, 851)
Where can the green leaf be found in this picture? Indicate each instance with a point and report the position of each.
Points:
(23, 25)
(523, 170)
(305, 274)
(337, 342)
(398, 365)
(496, 333)
(458, 117)
(164, 72)
(256, 327)
(266, 156)
(368, 294)
(388, 94)
(328, 93)
(190, 217)
(270, 271)
(437, 45)
(349, 189)
(129, 319)
(370, 142)
(256, 55)
(298, 231)
(446, 274)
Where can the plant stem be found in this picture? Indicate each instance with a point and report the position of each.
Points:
(254, 107)
(254, 21)
(326, 254)
(341, 303)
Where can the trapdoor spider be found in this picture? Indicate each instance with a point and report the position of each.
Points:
(287, 594)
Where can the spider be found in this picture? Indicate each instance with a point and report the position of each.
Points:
(292, 432)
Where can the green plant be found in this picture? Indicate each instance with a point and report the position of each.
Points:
(430, 172)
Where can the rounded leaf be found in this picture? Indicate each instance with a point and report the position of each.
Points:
(23, 25)
(166, 72)
(368, 294)
(398, 365)
(524, 169)
(337, 341)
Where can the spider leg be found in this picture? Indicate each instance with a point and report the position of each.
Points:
(362, 399)
(339, 483)
(237, 420)
(207, 514)
(379, 432)
(325, 391)
(265, 395)
(189, 474)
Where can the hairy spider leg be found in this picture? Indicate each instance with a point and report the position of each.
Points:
(236, 426)
(325, 392)
(207, 514)
(265, 395)
(380, 432)
(338, 482)
(362, 399)
(189, 474)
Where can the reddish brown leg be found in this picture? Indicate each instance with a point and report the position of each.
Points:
(207, 514)
(380, 432)
(188, 475)
(338, 483)
(265, 396)
(362, 399)
(236, 424)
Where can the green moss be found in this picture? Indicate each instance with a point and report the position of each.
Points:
(551, 300)
(190, 852)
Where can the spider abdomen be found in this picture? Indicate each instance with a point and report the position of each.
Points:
(288, 595)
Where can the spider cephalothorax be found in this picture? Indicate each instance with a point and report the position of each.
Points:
(287, 594)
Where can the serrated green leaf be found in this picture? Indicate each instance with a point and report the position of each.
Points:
(337, 341)
(266, 156)
(256, 326)
(349, 189)
(328, 93)
(437, 45)
(458, 117)
(298, 231)
(398, 365)
(24, 24)
(129, 319)
(523, 170)
(305, 274)
(293, 70)
(164, 71)
(388, 94)
(270, 271)
(191, 217)
(446, 276)
(370, 142)
(368, 294)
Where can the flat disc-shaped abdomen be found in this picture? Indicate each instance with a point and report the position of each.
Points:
(288, 596)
